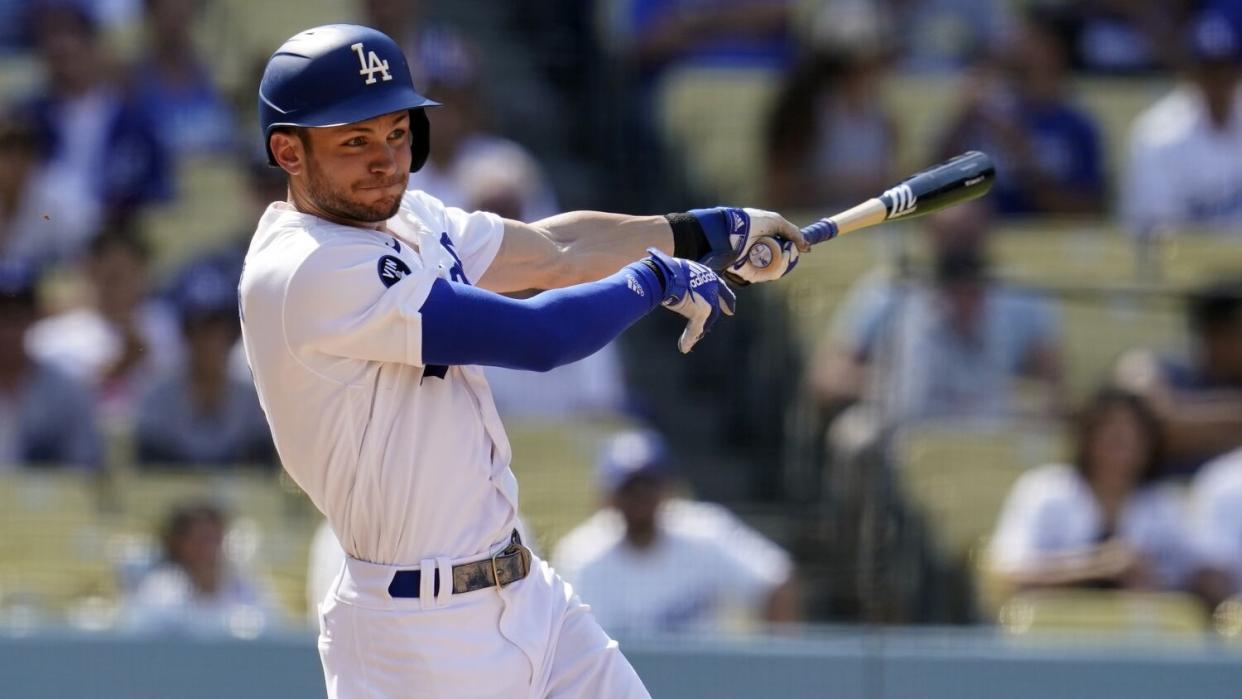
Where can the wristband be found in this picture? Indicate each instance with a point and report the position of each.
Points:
(707, 235)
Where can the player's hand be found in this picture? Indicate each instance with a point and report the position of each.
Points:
(694, 291)
(783, 242)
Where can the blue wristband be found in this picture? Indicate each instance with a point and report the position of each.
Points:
(726, 230)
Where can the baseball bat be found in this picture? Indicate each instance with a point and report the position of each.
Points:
(962, 177)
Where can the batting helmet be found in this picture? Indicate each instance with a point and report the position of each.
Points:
(340, 74)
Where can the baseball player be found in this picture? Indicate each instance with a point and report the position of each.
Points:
(367, 311)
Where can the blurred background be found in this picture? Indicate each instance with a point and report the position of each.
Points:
(987, 453)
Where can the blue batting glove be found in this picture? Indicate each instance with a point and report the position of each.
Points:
(694, 291)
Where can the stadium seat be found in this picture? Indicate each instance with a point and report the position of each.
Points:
(1164, 614)
(956, 475)
(555, 464)
(211, 207)
(1228, 619)
(714, 118)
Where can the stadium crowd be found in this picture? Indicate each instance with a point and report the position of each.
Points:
(119, 336)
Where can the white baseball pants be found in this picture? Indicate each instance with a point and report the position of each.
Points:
(533, 638)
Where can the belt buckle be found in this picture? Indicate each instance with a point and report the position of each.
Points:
(513, 548)
(495, 572)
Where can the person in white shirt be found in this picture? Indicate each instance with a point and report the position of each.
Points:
(1184, 172)
(123, 339)
(40, 221)
(1104, 521)
(652, 562)
(368, 312)
(1216, 524)
(196, 591)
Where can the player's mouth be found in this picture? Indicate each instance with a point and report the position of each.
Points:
(390, 184)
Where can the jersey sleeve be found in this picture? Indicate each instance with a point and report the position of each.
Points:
(474, 237)
(356, 300)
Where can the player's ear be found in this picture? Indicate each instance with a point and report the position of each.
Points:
(288, 151)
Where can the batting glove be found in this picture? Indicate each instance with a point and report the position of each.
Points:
(776, 240)
(724, 237)
(694, 291)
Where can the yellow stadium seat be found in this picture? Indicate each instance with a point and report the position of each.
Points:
(957, 475)
(555, 464)
(211, 207)
(714, 118)
(1163, 614)
(1227, 619)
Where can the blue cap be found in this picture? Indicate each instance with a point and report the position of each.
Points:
(1214, 38)
(340, 74)
(19, 279)
(447, 59)
(205, 290)
(629, 454)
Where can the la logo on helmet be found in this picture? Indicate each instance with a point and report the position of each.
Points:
(371, 64)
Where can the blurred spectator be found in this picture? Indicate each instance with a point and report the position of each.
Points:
(946, 34)
(654, 34)
(1198, 398)
(46, 417)
(469, 167)
(830, 141)
(1184, 169)
(200, 414)
(173, 87)
(122, 339)
(1216, 525)
(951, 348)
(1123, 36)
(652, 562)
(1104, 521)
(196, 591)
(264, 184)
(1047, 150)
(102, 148)
(40, 221)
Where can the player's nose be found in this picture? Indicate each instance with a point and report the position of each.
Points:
(383, 160)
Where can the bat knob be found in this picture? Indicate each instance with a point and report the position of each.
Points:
(760, 254)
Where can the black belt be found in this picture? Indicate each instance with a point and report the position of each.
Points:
(510, 565)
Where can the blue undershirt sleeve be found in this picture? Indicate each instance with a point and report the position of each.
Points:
(465, 325)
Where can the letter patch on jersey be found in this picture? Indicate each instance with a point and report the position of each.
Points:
(391, 270)
(457, 272)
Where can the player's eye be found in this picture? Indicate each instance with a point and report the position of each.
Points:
(356, 141)
(397, 135)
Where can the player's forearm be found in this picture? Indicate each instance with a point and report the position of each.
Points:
(594, 244)
(464, 325)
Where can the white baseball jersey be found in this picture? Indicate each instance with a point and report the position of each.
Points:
(1216, 521)
(704, 563)
(1183, 171)
(407, 461)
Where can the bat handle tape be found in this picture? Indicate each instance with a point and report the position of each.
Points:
(765, 250)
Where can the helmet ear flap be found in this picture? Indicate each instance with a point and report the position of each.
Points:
(420, 139)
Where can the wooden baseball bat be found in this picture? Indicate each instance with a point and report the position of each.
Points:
(966, 176)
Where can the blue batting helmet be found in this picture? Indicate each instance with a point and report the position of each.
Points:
(340, 74)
